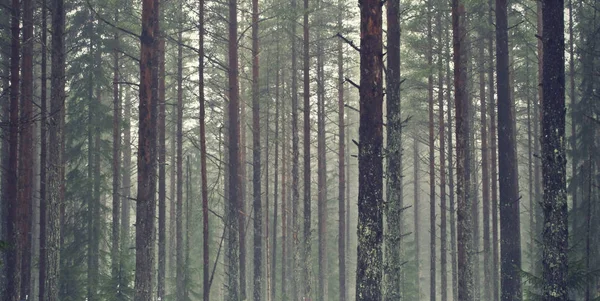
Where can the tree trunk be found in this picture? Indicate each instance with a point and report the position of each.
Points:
(284, 209)
(417, 200)
(341, 163)
(256, 153)
(234, 204)
(116, 167)
(273, 291)
(323, 282)
(510, 244)
(295, 270)
(15, 254)
(485, 178)
(370, 198)
(55, 152)
(26, 149)
(43, 156)
(432, 219)
(306, 244)
(442, 133)
(555, 231)
(179, 260)
(203, 172)
(393, 271)
(146, 202)
(572, 95)
(162, 165)
(464, 223)
(494, 166)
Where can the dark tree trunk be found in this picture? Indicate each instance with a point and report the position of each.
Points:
(162, 162)
(441, 133)
(341, 164)
(494, 166)
(234, 204)
(43, 156)
(146, 202)
(203, 172)
(572, 95)
(510, 244)
(306, 244)
(466, 254)
(555, 232)
(393, 210)
(256, 153)
(485, 176)
(179, 260)
(284, 209)
(432, 204)
(26, 149)
(116, 168)
(370, 198)
(15, 254)
(295, 260)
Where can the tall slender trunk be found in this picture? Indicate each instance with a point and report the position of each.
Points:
(306, 244)
(43, 156)
(234, 204)
(572, 95)
(256, 160)
(555, 231)
(417, 200)
(116, 166)
(442, 133)
(341, 163)
(432, 204)
(464, 222)
(15, 254)
(179, 260)
(485, 176)
(126, 194)
(393, 209)
(323, 282)
(162, 165)
(295, 270)
(370, 196)
(510, 244)
(203, 172)
(91, 197)
(530, 163)
(452, 207)
(55, 152)
(273, 291)
(146, 202)
(26, 149)
(284, 207)
(493, 165)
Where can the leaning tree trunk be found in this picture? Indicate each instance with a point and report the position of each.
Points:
(464, 223)
(145, 203)
(370, 165)
(555, 232)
